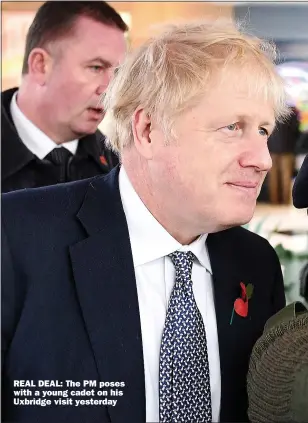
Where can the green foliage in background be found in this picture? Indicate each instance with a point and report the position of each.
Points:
(290, 260)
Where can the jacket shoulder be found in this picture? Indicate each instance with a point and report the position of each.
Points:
(246, 243)
(49, 200)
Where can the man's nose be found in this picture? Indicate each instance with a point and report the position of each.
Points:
(104, 81)
(257, 155)
(101, 89)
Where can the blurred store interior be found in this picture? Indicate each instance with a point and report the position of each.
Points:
(285, 24)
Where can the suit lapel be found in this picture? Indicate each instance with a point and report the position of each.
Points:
(106, 287)
(227, 275)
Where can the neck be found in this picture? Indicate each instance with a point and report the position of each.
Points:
(36, 112)
(160, 206)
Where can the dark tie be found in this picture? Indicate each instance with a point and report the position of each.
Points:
(184, 379)
(59, 157)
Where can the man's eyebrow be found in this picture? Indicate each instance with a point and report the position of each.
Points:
(103, 62)
(263, 123)
(266, 123)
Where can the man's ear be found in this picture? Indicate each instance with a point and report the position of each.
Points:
(40, 64)
(141, 126)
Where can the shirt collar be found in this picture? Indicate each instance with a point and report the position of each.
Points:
(32, 137)
(149, 239)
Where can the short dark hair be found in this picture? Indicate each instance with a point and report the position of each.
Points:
(55, 19)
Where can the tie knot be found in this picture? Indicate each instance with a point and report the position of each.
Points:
(59, 156)
(182, 261)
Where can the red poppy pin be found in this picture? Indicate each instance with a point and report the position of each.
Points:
(103, 160)
(241, 304)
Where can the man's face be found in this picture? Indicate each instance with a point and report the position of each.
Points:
(213, 172)
(83, 64)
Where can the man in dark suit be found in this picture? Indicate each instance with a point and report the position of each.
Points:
(158, 291)
(49, 124)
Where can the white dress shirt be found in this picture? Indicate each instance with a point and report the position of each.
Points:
(155, 277)
(32, 137)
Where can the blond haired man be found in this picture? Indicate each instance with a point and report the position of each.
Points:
(159, 289)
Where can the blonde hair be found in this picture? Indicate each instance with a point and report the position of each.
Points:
(168, 74)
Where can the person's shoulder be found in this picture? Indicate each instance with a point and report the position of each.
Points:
(242, 232)
(245, 240)
(99, 135)
(256, 240)
(6, 96)
(251, 248)
(108, 155)
(52, 199)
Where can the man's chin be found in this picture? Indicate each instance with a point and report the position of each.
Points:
(86, 130)
(238, 218)
(245, 218)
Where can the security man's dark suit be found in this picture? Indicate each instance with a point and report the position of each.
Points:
(20, 168)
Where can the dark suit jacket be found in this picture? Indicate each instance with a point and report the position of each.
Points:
(22, 169)
(70, 306)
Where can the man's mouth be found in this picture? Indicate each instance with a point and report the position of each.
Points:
(244, 184)
(249, 187)
(96, 113)
(97, 109)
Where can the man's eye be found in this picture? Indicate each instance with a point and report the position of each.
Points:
(233, 127)
(97, 68)
(263, 132)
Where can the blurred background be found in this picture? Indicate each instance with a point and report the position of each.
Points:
(286, 24)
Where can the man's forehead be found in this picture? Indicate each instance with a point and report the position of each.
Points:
(241, 88)
(84, 25)
(243, 81)
(95, 39)
(238, 104)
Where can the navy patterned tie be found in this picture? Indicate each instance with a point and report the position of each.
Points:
(184, 380)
